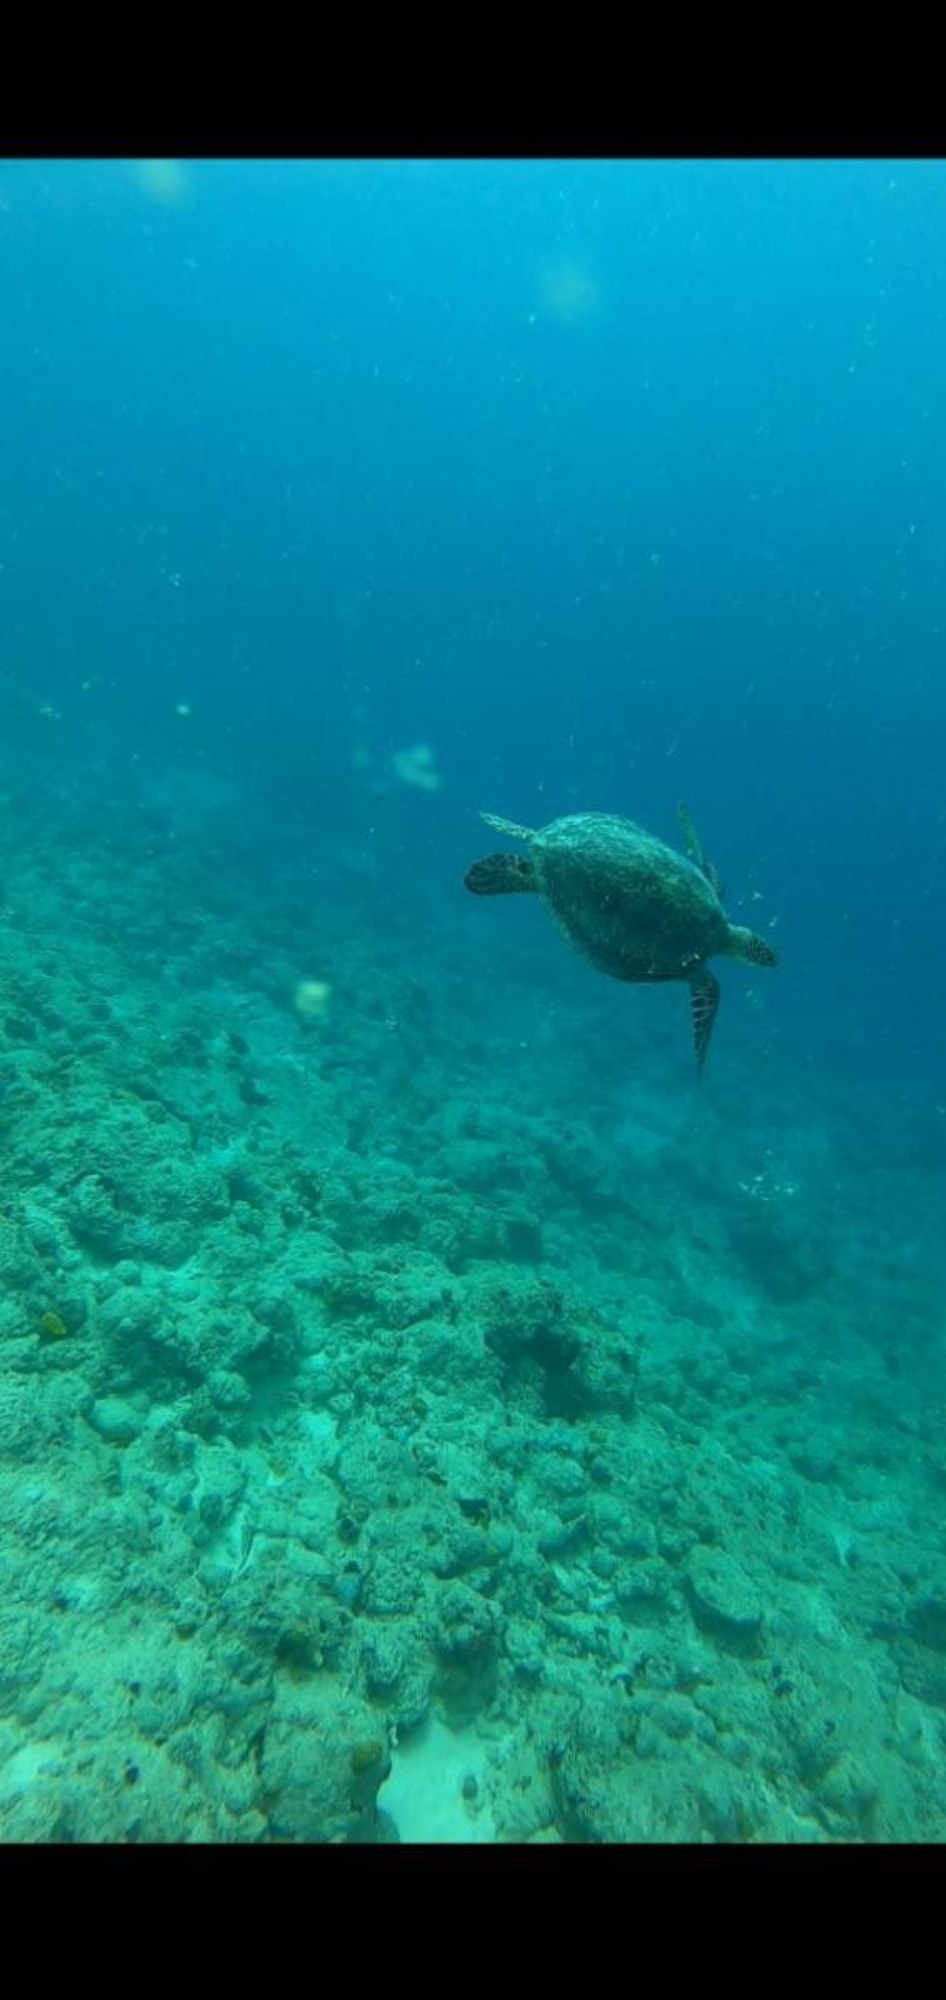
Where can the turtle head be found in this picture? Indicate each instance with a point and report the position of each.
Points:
(748, 945)
(501, 875)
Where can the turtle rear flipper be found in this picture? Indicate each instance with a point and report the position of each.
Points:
(704, 1002)
(501, 875)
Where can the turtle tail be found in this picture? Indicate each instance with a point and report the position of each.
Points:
(501, 875)
(748, 945)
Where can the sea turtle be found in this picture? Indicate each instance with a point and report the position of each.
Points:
(636, 908)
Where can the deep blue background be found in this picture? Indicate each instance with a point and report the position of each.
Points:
(613, 482)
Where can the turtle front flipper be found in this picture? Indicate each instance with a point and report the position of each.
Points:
(508, 827)
(704, 1002)
(501, 875)
(694, 848)
(691, 839)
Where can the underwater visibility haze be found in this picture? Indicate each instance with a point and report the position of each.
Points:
(458, 1382)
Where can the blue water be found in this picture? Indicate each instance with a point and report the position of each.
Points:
(338, 502)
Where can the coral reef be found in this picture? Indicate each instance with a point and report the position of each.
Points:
(408, 1375)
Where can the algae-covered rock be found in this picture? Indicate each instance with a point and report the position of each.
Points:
(724, 1601)
(322, 1761)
